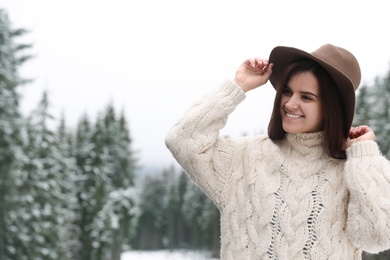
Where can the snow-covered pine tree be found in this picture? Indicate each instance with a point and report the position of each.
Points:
(106, 195)
(67, 168)
(373, 109)
(173, 204)
(45, 192)
(12, 56)
(86, 185)
(113, 223)
(151, 225)
(123, 197)
(199, 211)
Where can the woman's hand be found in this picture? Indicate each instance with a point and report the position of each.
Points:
(253, 73)
(357, 134)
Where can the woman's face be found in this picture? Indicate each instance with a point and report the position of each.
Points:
(301, 104)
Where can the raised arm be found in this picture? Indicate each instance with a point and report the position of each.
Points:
(194, 140)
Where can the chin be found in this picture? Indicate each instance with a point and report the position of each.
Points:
(291, 130)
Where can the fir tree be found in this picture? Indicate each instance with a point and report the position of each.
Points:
(373, 109)
(11, 58)
(87, 181)
(151, 228)
(67, 168)
(106, 196)
(44, 191)
(113, 146)
(194, 205)
(172, 210)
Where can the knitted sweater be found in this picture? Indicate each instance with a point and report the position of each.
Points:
(287, 199)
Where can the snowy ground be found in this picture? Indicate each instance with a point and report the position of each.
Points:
(166, 255)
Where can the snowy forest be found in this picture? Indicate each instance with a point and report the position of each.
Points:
(77, 193)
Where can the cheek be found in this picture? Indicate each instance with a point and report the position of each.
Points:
(318, 114)
(283, 101)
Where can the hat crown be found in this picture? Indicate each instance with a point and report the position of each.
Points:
(341, 60)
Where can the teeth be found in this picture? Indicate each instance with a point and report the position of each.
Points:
(292, 116)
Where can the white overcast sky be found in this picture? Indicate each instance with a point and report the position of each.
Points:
(153, 58)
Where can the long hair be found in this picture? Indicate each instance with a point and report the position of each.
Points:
(331, 104)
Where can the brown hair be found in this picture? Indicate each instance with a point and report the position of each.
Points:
(331, 104)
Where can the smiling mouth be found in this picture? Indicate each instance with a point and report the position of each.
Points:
(292, 115)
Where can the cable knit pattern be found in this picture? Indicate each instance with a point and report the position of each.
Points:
(283, 200)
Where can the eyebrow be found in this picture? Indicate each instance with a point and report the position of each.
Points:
(308, 93)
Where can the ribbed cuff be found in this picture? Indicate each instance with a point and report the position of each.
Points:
(363, 148)
(230, 89)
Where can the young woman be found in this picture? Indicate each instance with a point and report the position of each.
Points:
(313, 187)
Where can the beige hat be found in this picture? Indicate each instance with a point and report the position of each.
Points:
(341, 65)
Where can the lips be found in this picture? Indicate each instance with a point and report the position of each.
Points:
(293, 116)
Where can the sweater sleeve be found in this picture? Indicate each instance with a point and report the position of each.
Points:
(367, 175)
(195, 143)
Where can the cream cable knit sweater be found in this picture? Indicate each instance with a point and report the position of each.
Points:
(284, 200)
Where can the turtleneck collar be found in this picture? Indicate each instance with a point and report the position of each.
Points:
(306, 145)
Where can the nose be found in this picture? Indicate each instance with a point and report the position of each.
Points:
(292, 102)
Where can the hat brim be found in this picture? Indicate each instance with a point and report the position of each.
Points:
(282, 56)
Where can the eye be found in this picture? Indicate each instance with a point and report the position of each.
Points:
(306, 97)
(286, 91)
